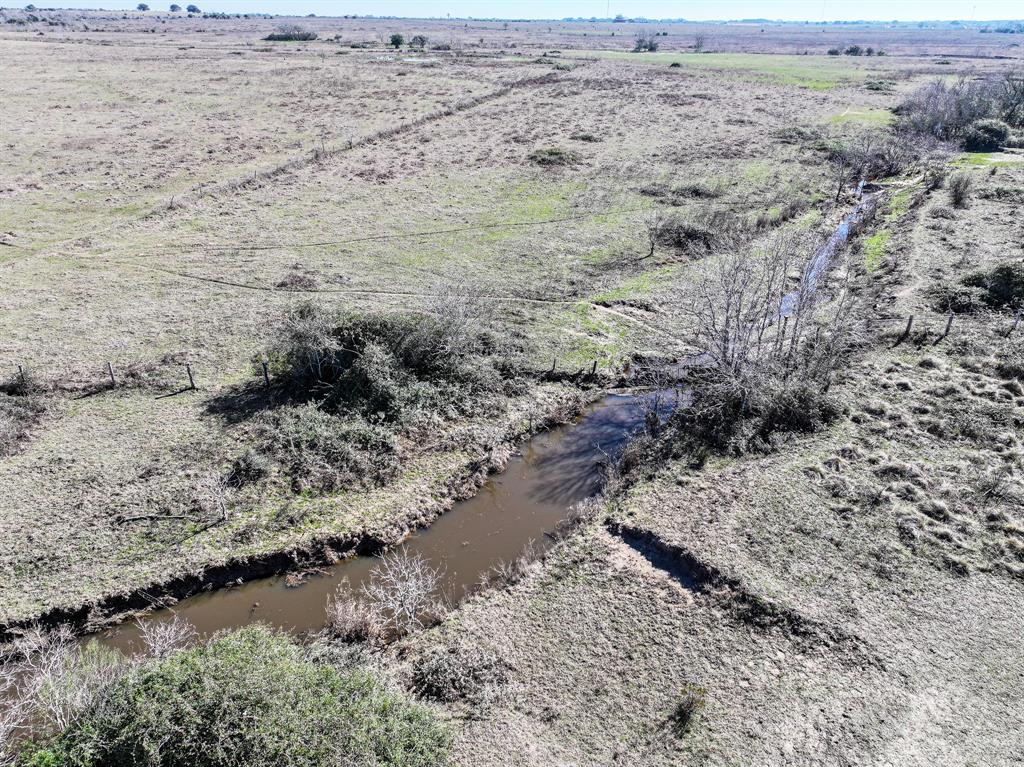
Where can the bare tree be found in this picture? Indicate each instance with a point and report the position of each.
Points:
(770, 341)
(162, 637)
(403, 590)
(52, 683)
(654, 226)
(698, 43)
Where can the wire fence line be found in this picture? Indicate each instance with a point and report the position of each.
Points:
(111, 376)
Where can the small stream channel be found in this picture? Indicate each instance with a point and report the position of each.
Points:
(550, 473)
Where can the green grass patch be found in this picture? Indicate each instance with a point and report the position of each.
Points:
(813, 72)
(528, 202)
(986, 160)
(874, 249)
(899, 204)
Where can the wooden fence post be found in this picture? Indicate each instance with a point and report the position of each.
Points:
(191, 380)
(1016, 322)
(266, 373)
(554, 362)
(21, 373)
(593, 369)
(110, 372)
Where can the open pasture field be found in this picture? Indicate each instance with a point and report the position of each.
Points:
(168, 196)
(184, 204)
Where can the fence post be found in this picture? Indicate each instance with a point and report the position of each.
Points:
(910, 324)
(266, 374)
(21, 374)
(191, 380)
(1016, 322)
(554, 362)
(110, 372)
(593, 369)
(949, 326)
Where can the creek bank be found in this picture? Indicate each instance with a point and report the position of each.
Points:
(560, 405)
(524, 508)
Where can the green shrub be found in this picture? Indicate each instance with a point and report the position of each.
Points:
(398, 368)
(290, 33)
(986, 135)
(249, 699)
(553, 156)
(1002, 286)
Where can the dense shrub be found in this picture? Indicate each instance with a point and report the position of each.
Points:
(320, 451)
(645, 42)
(977, 113)
(248, 699)
(553, 156)
(959, 299)
(700, 233)
(1002, 286)
(399, 368)
(945, 110)
(290, 33)
(960, 186)
(986, 135)
(736, 415)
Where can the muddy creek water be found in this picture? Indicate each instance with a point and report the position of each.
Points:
(549, 474)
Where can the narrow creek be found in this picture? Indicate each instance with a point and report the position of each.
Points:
(550, 473)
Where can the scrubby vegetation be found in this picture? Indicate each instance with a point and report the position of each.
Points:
(553, 156)
(322, 452)
(960, 186)
(17, 415)
(1000, 287)
(771, 349)
(290, 33)
(978, 114)
(352, 385)
(459, 673)
(247, 698)
(398, 368)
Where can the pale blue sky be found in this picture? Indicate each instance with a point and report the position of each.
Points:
(796, 10)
